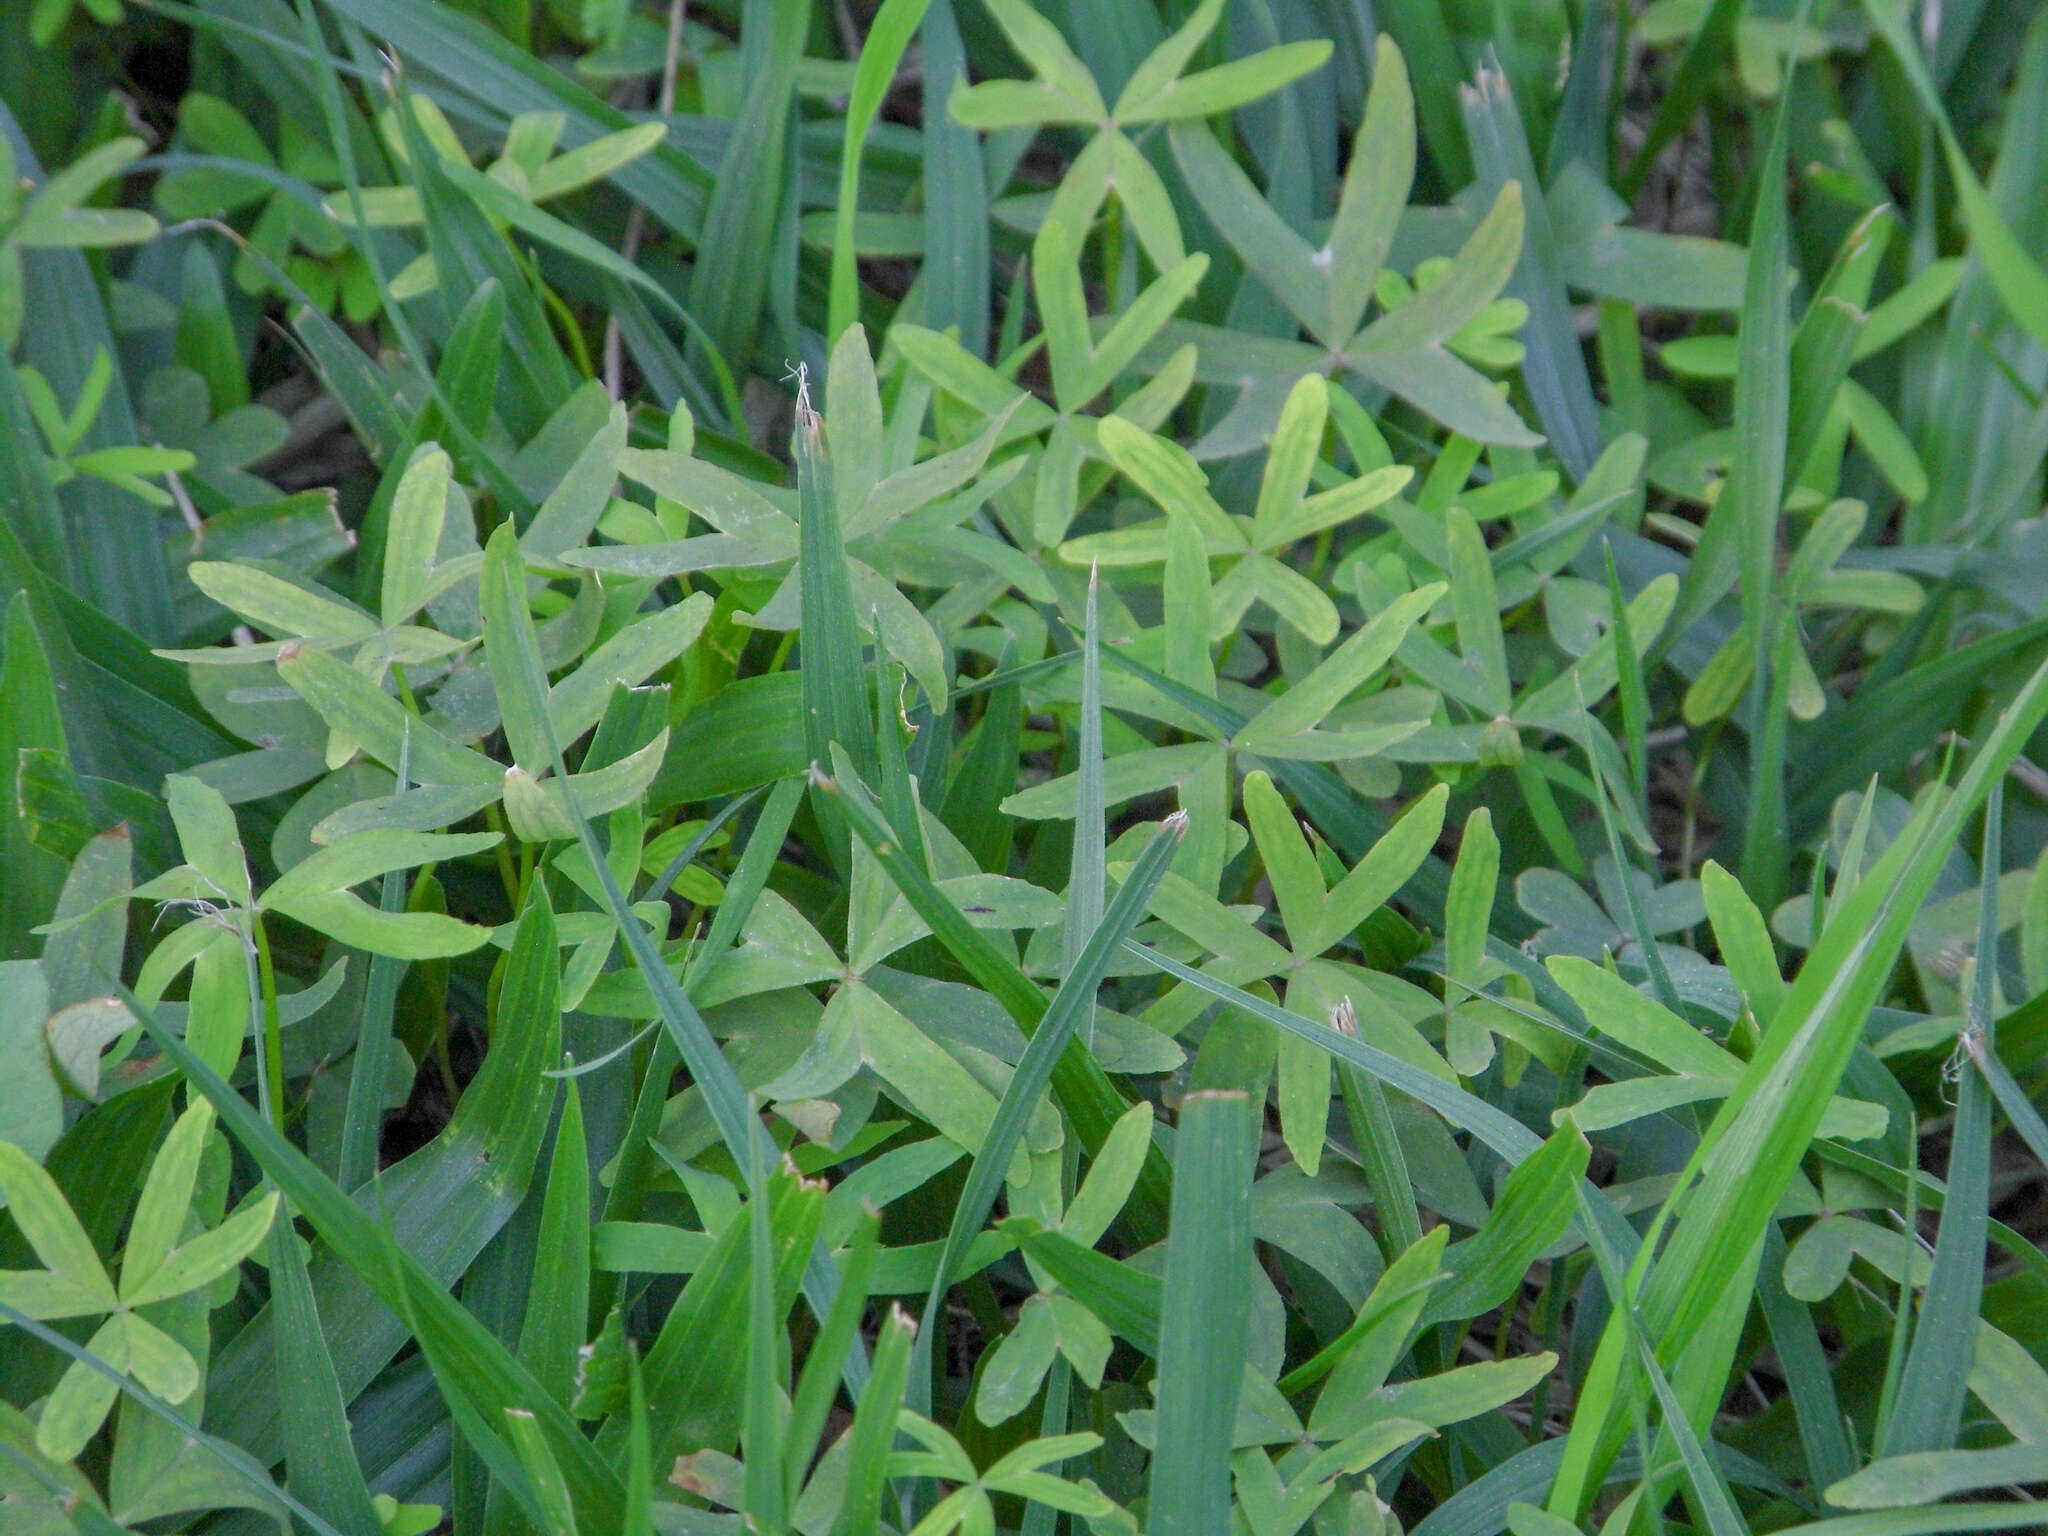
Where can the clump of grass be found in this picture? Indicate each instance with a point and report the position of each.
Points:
(943, 767)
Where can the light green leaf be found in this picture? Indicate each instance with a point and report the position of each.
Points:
(31, 1108)
(279, 607)
(44, 1216)
(353, 860)
(537, 810)
(413, 536)
(628, 659)
(166, 1199)
(206, 1257)
(402, 935)
(1341, 673)
(1476, 278)
(1226, 87)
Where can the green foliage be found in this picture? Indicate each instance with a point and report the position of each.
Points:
(960, 767)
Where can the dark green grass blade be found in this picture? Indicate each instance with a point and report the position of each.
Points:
(730, 279)
(639, 1453)
(2012, 1098)
(1585, 115)
(956, 244)
(363, 1116)
(1808, 1377)
(1741, 531)
(1928, 1413)
(899, 789)
(874, 1427)
(1554, 367)
(989, 774)
(28, 497)
(1421, 30)
(837, 1336)
(1380, 1157)
(761, 1440)
(320, 1459)
(558, 1296)
(1710, 1491)
(666, 880)
(834, 694)
(1630, 689)
(1711, 48)
(1087, 882)
(880, 53)
(31, 717)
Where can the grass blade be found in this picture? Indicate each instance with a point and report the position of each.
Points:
(1829, 1457)
(320, 1459)
(729, 279)
(1089, 879)
(956, 224)
(834, 697)
(874, 1428)
(1740, 534)
(888, 35)
(1555, 365)
(1378, 1143)
(363, 1116)
(1206, 1322)
(1927, 1414)
(558, 1297)
(823, 1366)
(761, 1438)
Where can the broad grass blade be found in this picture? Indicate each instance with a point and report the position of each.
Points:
(320, 1459)
(1207, 1317)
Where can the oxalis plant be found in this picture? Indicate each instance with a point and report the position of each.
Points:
(966, 767)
